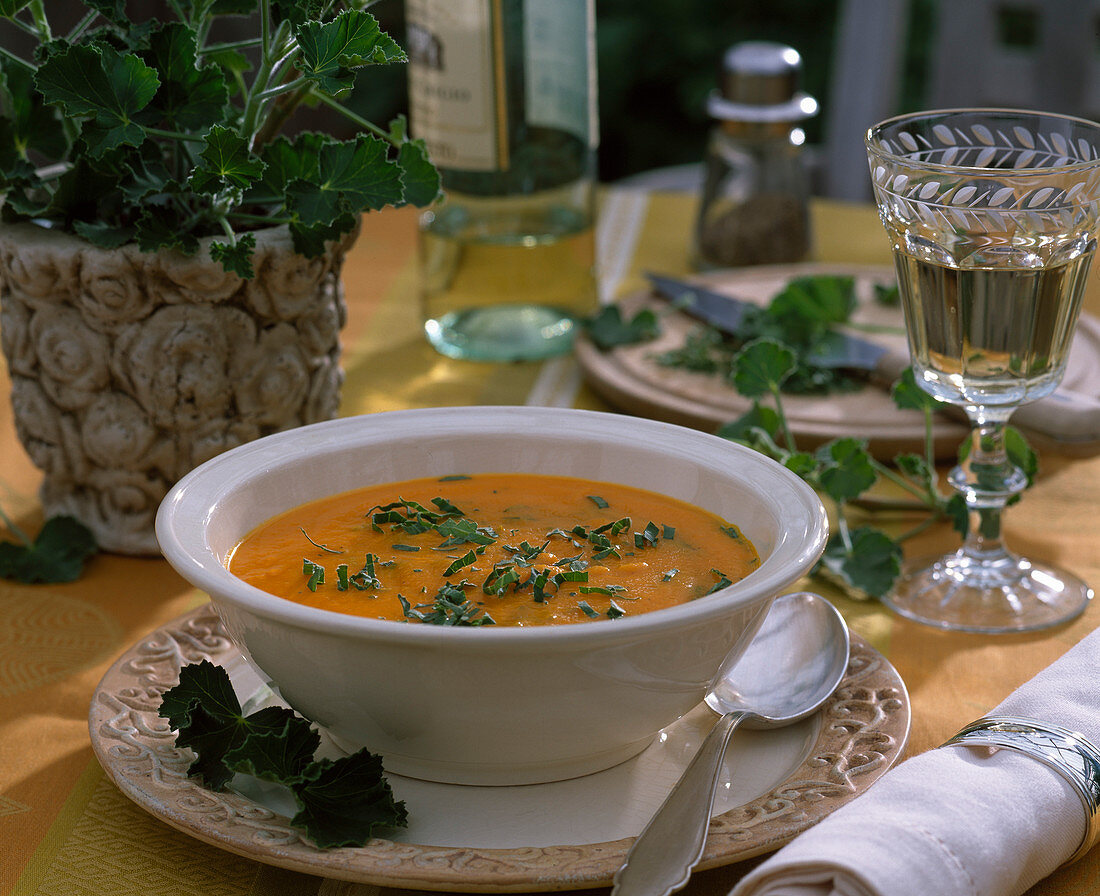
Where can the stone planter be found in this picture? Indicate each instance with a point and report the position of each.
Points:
(129, 369)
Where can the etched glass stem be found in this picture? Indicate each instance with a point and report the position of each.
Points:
(987, 480)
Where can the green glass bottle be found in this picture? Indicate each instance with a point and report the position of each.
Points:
(503, 92)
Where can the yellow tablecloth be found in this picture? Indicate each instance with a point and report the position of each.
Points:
(65, 829)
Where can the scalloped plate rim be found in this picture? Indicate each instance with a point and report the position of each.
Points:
(457, 869)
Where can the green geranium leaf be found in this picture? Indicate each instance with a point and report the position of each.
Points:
(344, 801)
(236, 257)
(331, 50)
(148, 178)
(102, 86)
(207, 717)
(959, 514)
(225, 162)
(33, 126)
(848, 470)
(112, 10)
(104, 235)
(353, 175)
(421, 179)
(1021, 453)
(276, 755)
(871, 565)
(607, 328)
(918, 469)
(158, 228)
(808, 306)
(757, 417)
(294, 11)
(803, 464)
(191, 97)
(761, 367)
(286, 161)
(58, 554)
(909, 396)
(310, 241)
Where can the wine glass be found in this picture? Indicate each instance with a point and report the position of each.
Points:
(993, 217)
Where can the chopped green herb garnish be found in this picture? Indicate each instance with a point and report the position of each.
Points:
(648, 537)
(723, 582)
(323, 547)
(315, 572)
(467, 559)
(539, 584)
(503, 577)
(411, 548)
(668, 533)
(463, 531)
(599, 502)
(610, 590)
(615, 611)
(669, 575)
(456, 477)
(733, 532)
(572, 575)
(586, 608)
(451, 607)
(613, 528)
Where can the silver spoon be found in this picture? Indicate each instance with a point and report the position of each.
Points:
(797, 659)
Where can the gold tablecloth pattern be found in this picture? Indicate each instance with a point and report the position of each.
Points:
(65, 829)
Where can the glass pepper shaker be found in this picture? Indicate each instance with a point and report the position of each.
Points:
(755, 201)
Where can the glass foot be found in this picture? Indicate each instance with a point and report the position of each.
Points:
(1009, 595)
(503, 333)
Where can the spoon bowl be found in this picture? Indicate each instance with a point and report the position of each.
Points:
(797, 659)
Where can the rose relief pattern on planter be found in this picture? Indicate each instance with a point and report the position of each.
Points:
(129, 369)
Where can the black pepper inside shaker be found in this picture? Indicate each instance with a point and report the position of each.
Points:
(754, 205)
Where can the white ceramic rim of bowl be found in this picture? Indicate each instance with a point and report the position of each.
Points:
(194, 500)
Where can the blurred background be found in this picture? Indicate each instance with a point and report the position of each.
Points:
(863, 60)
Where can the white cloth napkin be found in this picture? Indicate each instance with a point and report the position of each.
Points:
(954, 821)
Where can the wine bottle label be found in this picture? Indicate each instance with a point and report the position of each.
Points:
(452, 98)
(458, 77)
(559, 67)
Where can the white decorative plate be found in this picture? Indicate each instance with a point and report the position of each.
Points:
(562, 836)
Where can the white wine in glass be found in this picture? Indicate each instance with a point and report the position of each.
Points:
(993, 217)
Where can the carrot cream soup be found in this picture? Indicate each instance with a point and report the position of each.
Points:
(494, 549)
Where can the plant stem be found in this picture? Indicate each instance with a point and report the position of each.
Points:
(38, 13)
(247, 218)
(80, 27)
(11, 57)
(246, 44)
(280, 89)
(272, 43)
(175, 135)
(25, 27)
(929, 499)
(379, 132)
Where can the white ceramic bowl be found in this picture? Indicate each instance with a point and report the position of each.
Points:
(491, 705)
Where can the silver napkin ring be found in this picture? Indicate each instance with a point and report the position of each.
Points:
(1070, 754)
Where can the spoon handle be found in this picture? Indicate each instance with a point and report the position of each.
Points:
(661, 859)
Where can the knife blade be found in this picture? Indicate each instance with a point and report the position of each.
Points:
(726, 313)
(1069, 418)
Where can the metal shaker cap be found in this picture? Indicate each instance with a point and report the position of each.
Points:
(760, 81)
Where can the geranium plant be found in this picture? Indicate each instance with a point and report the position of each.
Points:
(154, 131)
